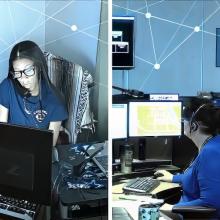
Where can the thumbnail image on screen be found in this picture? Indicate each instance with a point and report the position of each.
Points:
(119, 121)
(154, 119)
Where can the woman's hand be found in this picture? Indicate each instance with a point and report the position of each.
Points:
(164, 175)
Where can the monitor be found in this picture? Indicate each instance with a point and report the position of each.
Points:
(119, 121)
(164, 97)
(25, 163)
(157, 118)
(123, 42)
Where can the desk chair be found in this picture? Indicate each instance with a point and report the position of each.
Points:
(64, 137)
(183, 152)
(173, 195)
(195, 212)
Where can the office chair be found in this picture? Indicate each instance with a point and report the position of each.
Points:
(64, 137)
(172, 196)
(195, 212)
(183, 152)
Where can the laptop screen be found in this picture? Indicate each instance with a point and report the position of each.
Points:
(25, 163)
(17, 169)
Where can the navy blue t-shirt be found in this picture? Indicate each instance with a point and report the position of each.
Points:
(27, 111)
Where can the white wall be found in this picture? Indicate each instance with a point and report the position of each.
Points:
(80, 46)
(48, 23)
(19, 22)
(186, 58)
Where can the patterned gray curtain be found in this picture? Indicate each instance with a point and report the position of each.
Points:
(72, 81)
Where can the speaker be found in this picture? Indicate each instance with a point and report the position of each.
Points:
(141, 148)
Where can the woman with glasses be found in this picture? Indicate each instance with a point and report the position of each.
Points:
(201, 180)
(27, 97)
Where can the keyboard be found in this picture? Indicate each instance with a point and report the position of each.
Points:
(20, 209)
(141, 185)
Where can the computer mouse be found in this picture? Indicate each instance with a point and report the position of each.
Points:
(156, 175)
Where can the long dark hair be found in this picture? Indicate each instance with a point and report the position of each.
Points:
(31, 51)
(205, 113)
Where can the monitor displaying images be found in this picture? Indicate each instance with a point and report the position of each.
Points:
(155, 118)
(118, 122)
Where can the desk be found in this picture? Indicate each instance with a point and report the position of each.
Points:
(76, 203)
(119, 199)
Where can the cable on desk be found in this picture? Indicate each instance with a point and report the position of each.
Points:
(118, 193)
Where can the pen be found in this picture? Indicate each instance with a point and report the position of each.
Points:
(127, 199)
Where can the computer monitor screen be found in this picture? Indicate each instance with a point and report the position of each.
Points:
(123, 42)
(164, 97)
(154, 119)
(25, 163)
(119, 121)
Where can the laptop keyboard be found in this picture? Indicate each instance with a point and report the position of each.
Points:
(17, 208)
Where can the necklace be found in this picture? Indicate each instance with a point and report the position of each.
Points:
(27, 109)
(25, 106)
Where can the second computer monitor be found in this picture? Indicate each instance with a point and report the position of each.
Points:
(118, 122)
(150, 118)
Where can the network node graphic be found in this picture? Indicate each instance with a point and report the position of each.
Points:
(156, 66)
(197, 29)
(163, 33)
(148, 15)
(74, 27)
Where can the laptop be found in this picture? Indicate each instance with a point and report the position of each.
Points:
(25, 170)
(101, 158)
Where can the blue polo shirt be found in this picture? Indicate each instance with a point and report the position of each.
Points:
(201, 181)
(29, 111)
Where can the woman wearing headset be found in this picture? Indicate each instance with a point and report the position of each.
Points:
(201, 181)
(27, 97)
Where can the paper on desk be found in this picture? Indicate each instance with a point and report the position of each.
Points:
(142, 199)
(132, 207)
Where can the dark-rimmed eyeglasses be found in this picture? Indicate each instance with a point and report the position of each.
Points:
(30, 71)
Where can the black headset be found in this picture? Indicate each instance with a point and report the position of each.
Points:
(192, 123)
